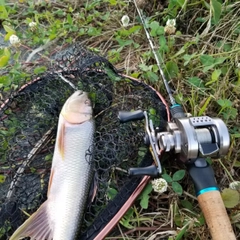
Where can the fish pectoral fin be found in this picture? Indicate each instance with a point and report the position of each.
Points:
(60, 140)
(37, 226)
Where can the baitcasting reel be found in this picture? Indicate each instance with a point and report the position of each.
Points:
(188, 137)
(195, 137)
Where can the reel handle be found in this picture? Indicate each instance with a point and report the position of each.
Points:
(210, 200)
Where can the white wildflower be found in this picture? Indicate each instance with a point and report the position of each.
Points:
(32, 26)
(125, 20)
(14, 40)
(235, 185)
(159, 185)
(171, 22)
(170, 26)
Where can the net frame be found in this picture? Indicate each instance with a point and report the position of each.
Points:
(78, 63)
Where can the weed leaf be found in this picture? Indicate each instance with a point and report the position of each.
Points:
(125, 221)
(167, 177)
(2, 178)
(111, 193)
(3, 12)
(187, 204)
(217, 10)
(172, 69)
(230, 197)
(177, 188)
(145, 196)
(179, 175)
(206, 60)
(196, 82)
(153, 77)
(224, 103)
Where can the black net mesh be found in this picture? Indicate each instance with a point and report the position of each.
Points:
(28, 123)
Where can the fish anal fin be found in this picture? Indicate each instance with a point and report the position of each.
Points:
(61, 134)
(93, 189)
(37, 226)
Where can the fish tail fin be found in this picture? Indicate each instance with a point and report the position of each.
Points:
(37, 226)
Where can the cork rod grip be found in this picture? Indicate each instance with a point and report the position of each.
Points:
(216, 216)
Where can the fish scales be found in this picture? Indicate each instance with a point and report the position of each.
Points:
(76, 171)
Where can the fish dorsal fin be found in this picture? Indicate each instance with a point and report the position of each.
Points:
(37, 227)
(60, 140)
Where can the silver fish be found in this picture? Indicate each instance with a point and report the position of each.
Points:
(58, 218)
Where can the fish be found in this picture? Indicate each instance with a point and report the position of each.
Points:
(60, 216)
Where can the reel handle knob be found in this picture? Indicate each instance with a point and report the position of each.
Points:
(151, 171)
(126, 116)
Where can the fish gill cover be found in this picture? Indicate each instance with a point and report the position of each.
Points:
(28, 123)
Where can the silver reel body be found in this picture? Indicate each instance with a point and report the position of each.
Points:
(195, 137)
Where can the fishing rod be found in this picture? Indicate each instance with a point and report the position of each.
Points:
(176, 109)
(192, 139)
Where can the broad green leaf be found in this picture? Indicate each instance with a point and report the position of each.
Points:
(2, 178)
(111, 193)
(206, 60)
(7, 52)
(39, 70)
(144, 67)
(230, 113)
(216, 73)
(224, 103)
(179, 175)
(8, 29)
(217, 10)
(230, 197)
(144, 202)
(219, 60)
(188, 58)
(167, 177)
(69, 19)
(9, 32)
(215, 76)
(196, 82)
(187, 204)
(125, 220)
(92, 31)
(237, 163)
(153, 77)
(162, 43)
(154, 27)
(178, 219)
(123, 42)
(172, 69)
(144, 196)
(48, 157)
(3, 12)
(177, 188)
(3, 61)
(181, 2)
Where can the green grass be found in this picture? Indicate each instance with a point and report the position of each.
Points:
(201, 60)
